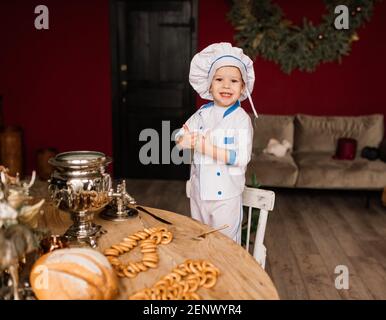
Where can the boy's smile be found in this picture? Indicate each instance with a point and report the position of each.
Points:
(227, 86)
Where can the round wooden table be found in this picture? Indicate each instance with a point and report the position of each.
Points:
(241, 276)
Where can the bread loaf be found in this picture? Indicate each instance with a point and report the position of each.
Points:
(73, 274)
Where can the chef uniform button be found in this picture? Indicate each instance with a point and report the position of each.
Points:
(219, 193)
(218, 173)
(200, 128)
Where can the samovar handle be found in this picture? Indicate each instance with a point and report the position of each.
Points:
(107, 183)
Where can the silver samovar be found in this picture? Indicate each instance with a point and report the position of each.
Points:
(80, 185)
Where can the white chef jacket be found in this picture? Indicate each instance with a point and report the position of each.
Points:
(220, 181)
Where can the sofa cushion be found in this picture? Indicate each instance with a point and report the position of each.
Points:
(271, 170)
(319, 170)
(272, 126)
(316, 133)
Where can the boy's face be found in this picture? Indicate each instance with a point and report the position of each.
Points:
(227, 86)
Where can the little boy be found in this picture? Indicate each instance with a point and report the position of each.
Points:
(220, 134)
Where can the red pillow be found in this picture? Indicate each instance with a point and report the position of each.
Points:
(346, 149)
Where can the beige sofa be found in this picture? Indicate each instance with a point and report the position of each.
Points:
(310, 164)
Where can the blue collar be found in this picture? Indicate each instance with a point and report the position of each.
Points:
(228, 111)
(210, 104)
(232, 108)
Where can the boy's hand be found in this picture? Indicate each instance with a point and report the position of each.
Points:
(189, 139)
(203, 144)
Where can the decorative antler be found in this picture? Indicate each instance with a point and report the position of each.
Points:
(32, 181)
(3, 178)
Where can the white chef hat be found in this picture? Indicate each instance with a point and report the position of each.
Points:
(205, 63)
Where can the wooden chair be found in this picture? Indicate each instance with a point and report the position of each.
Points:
(263, 200)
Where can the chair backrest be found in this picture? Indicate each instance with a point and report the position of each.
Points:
(264, 200)
(258, 198)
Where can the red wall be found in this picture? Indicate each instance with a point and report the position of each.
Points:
(355, 87)
(56, 83)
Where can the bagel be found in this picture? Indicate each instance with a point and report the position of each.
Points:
(147, 239)
(182, 282)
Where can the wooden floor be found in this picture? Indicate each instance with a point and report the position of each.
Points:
(309, 233)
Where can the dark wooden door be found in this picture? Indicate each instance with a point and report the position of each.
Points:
(153, 44)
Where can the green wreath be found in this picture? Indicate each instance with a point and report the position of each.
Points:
(262, 31)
